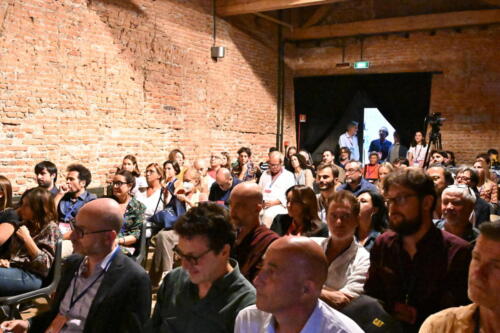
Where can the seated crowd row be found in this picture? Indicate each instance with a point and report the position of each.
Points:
(342, 243)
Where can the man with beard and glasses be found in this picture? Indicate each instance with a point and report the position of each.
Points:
(327, 181)
(416, 269)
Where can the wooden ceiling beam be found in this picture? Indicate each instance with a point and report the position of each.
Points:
(320, 13)
(398, 24)
(240, 7)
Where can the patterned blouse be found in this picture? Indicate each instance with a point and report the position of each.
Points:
(46, 241)
(489, 192)
(133, 219)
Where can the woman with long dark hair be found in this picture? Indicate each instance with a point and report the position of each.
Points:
(8, 215)
(302, 218)
(244, 169)
(303, 175)
(372, 218)
(32, 248)
(417, 151)
(129, 163)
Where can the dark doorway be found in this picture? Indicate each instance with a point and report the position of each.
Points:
(330, 102)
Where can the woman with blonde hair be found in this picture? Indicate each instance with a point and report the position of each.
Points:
(488, 190)
(383, 171)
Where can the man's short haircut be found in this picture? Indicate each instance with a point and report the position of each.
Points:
(492, 151)
(485, 157)
(329, 150)
(51, 168)
(359, 166)
(396, 134)
(245, 150)
(83, 173)
(448, 177)
(323, 166)
(209, 220)
(474, 177)
(272, 149)
(345, 150)
(413, 179)
(373, 153)
(402, 161)
(491, 230)
(465, 191)
(352, 124)
(343, 197)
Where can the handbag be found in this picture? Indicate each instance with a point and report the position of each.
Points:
(166, 218)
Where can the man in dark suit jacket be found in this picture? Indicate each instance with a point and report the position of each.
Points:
(101, 289)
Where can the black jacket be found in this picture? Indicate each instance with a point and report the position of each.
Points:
(122, 302)
(282, 222)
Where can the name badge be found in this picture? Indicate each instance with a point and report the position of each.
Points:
(267, 190)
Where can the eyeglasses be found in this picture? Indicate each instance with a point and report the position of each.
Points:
(80, 233)
(150, 171)
(118, 183)
(274, 165)
(193, 260)
(400, 200)
(351, 170)
(465, 178)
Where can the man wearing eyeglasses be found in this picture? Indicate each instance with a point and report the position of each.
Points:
(208, 291)
(101, 290)
(354, 181)
(457, 204)
(274, 183)
(468, 176)
(415, 268)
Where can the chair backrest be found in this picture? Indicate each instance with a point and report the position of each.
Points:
(140, 254)
(55, 271)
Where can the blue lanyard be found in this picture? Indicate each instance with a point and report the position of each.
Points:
(73, 300)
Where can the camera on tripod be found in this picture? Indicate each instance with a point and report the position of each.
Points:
(435, 120)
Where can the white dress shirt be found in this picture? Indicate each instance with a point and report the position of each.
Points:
(275, 190)
(350, 142)
(348, 272)
(323, 319)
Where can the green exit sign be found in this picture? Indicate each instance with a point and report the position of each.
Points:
(361, 64)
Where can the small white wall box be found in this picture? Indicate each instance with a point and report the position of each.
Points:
(218, 51)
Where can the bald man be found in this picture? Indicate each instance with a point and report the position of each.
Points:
(201, 165)
(274, 183)
(220, 191)
(287, 297)
(101, 289)
(253, 238)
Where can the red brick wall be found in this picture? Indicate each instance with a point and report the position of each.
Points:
(467, 93)
(90, 81)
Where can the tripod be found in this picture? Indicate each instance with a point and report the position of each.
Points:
(435, 141)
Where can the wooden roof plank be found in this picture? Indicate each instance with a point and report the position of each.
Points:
(231, 7)
(398, 24)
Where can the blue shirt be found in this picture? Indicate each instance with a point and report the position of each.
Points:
(381, 147)
(218, 194)
(363, 185)
(68, 207)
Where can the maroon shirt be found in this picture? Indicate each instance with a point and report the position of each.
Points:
(435, 279)
(251, 249)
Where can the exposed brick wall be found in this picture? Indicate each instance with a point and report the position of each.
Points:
(467, 93)
(91, 81)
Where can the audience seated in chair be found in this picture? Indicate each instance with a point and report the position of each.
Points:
(372, 218)
(118, 297)
(132, 211)
(32, 247)
(287, 297)
(252, 238)
(302, 218)
(208, 291)
(348, 261)
(483, 289)
(152, 198)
